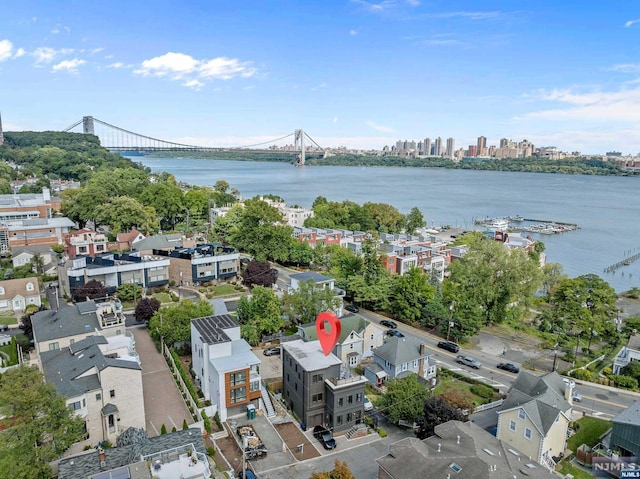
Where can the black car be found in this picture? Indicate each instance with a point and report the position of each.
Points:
(394, 332)
(449, 346)
(388, 324)
(323, 435)
(352, 307)
(512, 368)
(271, 351)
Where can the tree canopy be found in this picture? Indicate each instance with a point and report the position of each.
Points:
(259, 314)
(436, 411)
(173, 323)
(404, 399)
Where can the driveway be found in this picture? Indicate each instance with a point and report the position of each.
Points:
(163, 403)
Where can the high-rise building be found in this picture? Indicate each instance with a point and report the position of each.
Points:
(451, 146)
(473, 151)
(504, 143)
(426, 146)
(482, 145)
(437, 147)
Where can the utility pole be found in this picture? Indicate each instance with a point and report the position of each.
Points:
(451, 323)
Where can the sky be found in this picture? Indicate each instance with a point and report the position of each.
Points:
(354, 73)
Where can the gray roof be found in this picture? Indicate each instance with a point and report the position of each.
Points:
(109, 409)
(307, 275)
(31, 249)
(631, 415)
(168, 241)
(309, 355)
(474, 451)
(65, 322)
(80, 467)
(399, 350)
(541, 397)
(60, 222)
(348, 324)
(62, 368)
(211, 328)
(86, 343)
(634, 342)
(219, 306)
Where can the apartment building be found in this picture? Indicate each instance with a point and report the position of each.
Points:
(85, 242)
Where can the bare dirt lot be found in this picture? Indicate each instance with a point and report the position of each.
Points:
(293, 437)
(229, 448)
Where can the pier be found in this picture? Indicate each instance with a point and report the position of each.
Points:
(530, 225)
(625, 262)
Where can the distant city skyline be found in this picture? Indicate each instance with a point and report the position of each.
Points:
(357, 73)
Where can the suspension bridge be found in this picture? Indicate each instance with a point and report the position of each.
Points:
(117, 139)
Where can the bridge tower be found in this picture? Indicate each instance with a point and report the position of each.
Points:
(87, 125)
(299, 146)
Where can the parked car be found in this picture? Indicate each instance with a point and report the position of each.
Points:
(4, 327)
(569, 382)
(368, 405)
(449, 346)
(469, 361)
(271, 351)
(323, 435)
(352, 308)
(512, 368)
(247, 474)
(388, 324)
(394, 332)
(577, 397)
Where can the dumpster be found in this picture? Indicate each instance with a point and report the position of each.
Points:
(251, 411)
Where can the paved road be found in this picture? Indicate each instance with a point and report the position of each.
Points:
(163, 403)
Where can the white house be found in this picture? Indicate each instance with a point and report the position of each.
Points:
(628, 353)
(17, 294)
(226, 369)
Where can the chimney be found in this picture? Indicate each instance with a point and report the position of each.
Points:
(568, 391)
(103, 462)
(423, 353)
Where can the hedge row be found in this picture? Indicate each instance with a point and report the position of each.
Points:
(185, 377)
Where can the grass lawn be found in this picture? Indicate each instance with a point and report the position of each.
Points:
(222, 290)
(565, 467)
(461, 388)
(163, 297)
(8, 320)
(589, 431)
(11, 352)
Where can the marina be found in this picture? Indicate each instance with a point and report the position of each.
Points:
(528, 225)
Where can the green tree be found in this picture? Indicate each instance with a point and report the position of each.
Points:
(259, 314)
(40, 427)
(37, 263)
(436, 411)
(226, 227)
(300, 253)
(491, 281)
(410, 294)
(404, 399)
(260, 234)
(340, 471)
(123, 212)
(552, 275)
(166, 197)
(129, 291)
(305, 303)
(173, 323)
(414, 220)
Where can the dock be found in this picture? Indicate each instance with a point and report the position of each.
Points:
(529, 225)
(624, 262)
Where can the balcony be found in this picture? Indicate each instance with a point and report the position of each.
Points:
(183, 462)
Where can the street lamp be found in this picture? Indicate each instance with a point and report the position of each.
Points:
(590, 305)
(179, 288)
(451, 308)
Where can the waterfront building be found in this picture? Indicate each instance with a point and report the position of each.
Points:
(482, 145)
(437, 147)
(451, 146)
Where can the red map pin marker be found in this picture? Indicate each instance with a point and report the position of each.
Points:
(328, 330)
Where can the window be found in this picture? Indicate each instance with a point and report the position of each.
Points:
(372, 336)
(238, 395)
(351, 346)
(30, 287)
(359, 397)
(74, 406)
(98, 397)
(527, 433)
(254, 386)
(349, 417)
(71, 341)
(112, 393)
(317, 378)
(53, 346)
(339, 420)
(340, 402)
(316, 398)
(521, 414)
(512, 425)
(238, 378)
(82, 249)
(350, 399)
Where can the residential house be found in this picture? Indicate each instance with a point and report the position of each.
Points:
(398, 358)
(318, 390)
(206, 262)
(85, 242)
(17, 294)
(227, 371)
(163, 457)
(457, 450)
(167, 242)
(358, 338)
(126, 241)
(319, 281)
(628, 353)
(535, 416)
(102, 383)
(115, 269)
(624, 438)
(54, 330)
(21, 255)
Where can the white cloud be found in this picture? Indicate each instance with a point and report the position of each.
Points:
(376, 7)
(442, 42)
(335, 119)
(55, 31)
(116, 65)
(47, 54)
(19, 53)
(70, 66)
(626, 68)
(180, 66)
(631, 22)
(321, 86)
(469, 15)
(353, 33)
(380, 128)
(6, 50)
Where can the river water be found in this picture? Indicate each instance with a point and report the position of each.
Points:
(606, 208)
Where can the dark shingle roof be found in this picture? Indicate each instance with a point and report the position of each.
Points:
(211, 328)
(62, 368)
(307, 275)
(631, 415)
(65, 322)
(80, 467)
(399, 350)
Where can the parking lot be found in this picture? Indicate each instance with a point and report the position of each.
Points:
(271, 365)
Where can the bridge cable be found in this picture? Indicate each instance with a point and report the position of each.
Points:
(147, 137)
(72, 126)
(314, 141)
(264, 142)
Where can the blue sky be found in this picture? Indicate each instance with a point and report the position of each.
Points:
(350, 72)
